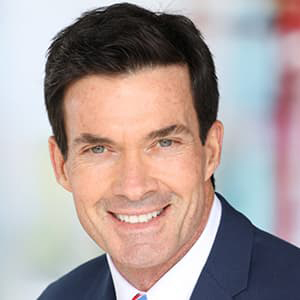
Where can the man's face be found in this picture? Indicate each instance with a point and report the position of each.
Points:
(136, 167)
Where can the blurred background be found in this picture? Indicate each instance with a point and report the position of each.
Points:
(256, 46)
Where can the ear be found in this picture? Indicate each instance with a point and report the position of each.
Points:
(58, 164)
(213, 148)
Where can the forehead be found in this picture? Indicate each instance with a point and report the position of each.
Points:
(150, 97)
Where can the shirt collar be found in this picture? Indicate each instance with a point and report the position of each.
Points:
(190, 266)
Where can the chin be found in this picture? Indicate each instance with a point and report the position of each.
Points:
(143, 257)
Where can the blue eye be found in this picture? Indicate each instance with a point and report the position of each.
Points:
(165, 143)
(98, 149)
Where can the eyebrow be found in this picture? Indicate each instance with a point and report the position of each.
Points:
(88, 138)
(172, 129)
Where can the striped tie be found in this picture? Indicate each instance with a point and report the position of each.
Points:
(140, 297)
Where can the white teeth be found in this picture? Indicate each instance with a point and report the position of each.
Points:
(139, 218)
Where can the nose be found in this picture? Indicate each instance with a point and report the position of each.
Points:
(134, 180)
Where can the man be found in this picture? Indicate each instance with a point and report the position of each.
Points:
(132, 98)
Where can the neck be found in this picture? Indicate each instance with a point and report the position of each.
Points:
(144, 278)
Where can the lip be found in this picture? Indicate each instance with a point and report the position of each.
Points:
(134, 226)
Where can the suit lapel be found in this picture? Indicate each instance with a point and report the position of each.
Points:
(208, 288)
(226, 271)
(102, 287)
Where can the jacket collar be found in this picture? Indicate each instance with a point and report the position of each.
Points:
(102, 286)
(226, 271)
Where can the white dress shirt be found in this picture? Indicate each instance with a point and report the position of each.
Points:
(179, 282)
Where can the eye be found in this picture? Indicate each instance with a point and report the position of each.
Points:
(165, 143)
(98, 149)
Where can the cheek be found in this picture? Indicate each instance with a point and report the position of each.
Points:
(89, 182)
(183, 174)
(89, 188)
(185, 177)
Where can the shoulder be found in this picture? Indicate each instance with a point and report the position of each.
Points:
(78, 283)
(275, 257)
(274, 270)
(254, 263)
(266, 249)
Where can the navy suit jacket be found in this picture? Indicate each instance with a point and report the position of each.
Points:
(245, 263)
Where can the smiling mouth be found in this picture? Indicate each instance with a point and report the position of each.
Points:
(134, 219)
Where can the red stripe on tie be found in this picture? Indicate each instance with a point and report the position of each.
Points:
(136, 296)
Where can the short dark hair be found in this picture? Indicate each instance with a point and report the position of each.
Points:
(122, 38)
